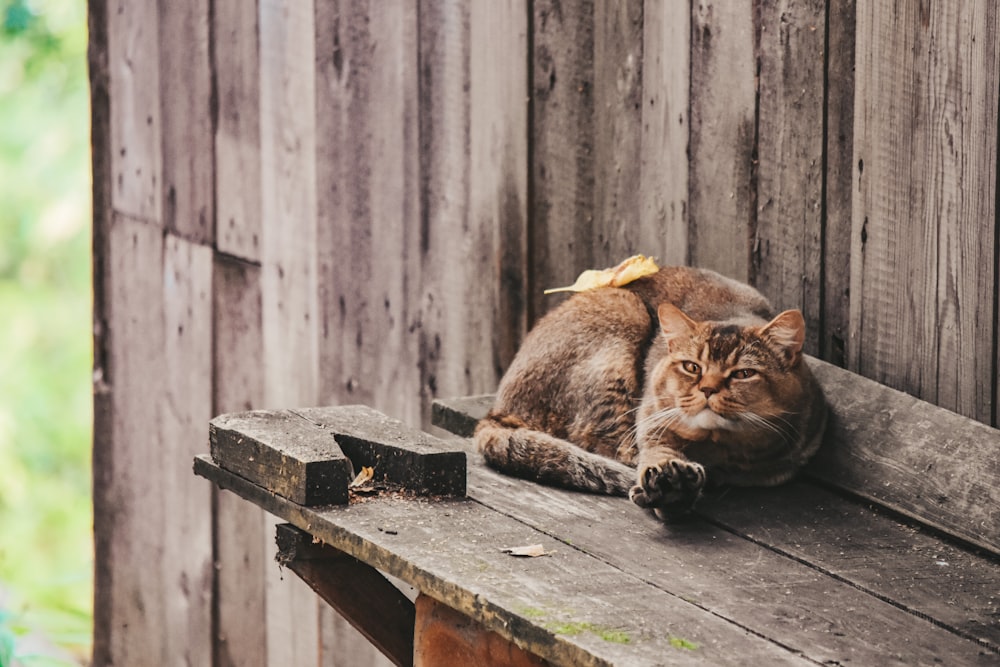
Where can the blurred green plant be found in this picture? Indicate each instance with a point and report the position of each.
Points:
(45, 332)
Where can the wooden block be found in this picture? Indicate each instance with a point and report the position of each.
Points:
(284, 454)
(398, 453)
(460, 415)
(444, 637)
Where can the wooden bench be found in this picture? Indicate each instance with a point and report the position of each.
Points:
(884, 551)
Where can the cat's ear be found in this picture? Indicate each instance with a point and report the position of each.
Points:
(673, 321)
(787, 332)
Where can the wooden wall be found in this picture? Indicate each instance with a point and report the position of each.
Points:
(304, 202)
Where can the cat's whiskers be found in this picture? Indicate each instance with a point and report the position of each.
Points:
(776, 424)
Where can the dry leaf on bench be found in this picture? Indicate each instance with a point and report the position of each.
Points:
(633, 268)
(529, 551)
(367, 472)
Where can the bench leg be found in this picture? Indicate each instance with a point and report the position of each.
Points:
(365, 598)
(444, 637)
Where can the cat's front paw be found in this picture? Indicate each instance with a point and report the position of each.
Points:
(670, 487)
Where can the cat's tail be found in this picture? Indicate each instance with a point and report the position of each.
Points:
(511, 447)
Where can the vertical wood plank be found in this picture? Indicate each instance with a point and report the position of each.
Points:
(237, 136)
(446, 236)
(186, 564)
(133, 69)
(925, 144)
(241, 559)
(723, 130)
(562, 139)
(186, 126)
(129, 512)
(498, 187)
(369, 205)
(787, 255)
(666, 85)
(288, 276)
(617, 74)
(838, 184)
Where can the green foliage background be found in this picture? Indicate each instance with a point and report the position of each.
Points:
(45, 331)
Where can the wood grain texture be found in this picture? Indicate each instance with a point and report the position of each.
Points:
(787, 248)
(241, 560)
(237, 136)
(838, 184)
(135, 149)
(926, 113)
(442, 548)
(358, 591)
(723, 133)
(665, 115)
(498, 187)
(186, 115)
(617, 100)
(283, 453)
(288, 276)
(561, 208)
(368, 206)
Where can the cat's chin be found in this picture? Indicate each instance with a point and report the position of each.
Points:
(709, 420)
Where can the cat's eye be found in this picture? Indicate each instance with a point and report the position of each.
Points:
(743, 373)
(691, 367)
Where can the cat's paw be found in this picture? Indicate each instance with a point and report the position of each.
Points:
(670, 487)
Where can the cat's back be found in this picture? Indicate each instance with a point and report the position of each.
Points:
(702, 294)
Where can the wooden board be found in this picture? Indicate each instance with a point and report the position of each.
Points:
(237, 134)
(787, 249)
(498, 190)
(241, 561)
(723, 134)
(283, 453)
(617, 104)
(452, 551)
(562, 171)
(398, 453)
(368, 206)
(663, 150)
(186, 96)
(923, 281)
(838, 171)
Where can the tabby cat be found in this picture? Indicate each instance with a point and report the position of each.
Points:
(641, 390)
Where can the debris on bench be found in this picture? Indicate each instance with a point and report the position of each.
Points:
(310, 455)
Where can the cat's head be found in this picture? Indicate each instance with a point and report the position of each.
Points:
(721, 376)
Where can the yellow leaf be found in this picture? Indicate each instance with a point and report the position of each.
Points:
(367, 472)
(631, 269)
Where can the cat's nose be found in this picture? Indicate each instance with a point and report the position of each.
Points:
(708, 391)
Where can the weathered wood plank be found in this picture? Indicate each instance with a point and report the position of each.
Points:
(617, 108)
(498, 187)
(914, 569)
(283, 453)
(186, 126)
(923, 461)
(398, 453)
(922, 310)
(183, 549)
(552, 613)
(241, 560)
(561, 201)
(663, 151)
(358, 591)
(237, 135)
(289, 308)
(369, 205)
(786, 600)
(723, 115)
(135, 153)
(787, 250)
(128, 500)
(838, 184)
